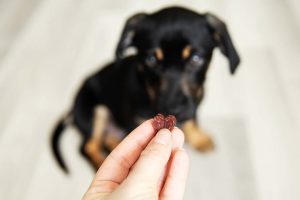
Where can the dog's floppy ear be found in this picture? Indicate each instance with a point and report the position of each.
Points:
(128, 34)
(223, 40)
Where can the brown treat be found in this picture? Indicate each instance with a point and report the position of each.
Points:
(170, 122)
(159, 122)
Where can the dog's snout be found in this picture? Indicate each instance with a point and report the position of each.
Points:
(171, 95)
(164, 85)
(170, 86)
(170, 79)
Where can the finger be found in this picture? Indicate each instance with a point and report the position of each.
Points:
(177, 138)
(177, 141)
(153, 159)
(176, 179)
(116, 166)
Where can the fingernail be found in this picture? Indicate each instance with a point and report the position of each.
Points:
(163, 136)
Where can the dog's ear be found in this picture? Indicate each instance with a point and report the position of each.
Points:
(223, 40)
(128, 34)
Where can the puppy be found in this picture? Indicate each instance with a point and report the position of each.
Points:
(165, 72)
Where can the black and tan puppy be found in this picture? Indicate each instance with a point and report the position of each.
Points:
(164, 74)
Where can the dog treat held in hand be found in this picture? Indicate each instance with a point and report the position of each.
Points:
(160, 122)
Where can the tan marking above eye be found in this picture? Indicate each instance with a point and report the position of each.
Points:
(186, 52)
(159, 54)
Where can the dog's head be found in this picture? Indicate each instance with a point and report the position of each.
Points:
(174, 47)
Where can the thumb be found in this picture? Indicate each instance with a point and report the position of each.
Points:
(153, 159)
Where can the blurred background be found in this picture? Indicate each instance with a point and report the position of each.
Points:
(47, 48)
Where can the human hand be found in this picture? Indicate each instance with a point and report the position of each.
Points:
(145, 165)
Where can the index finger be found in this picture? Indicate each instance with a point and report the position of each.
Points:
(117, 165)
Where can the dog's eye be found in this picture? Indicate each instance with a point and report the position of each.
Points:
(151, 61)
(196, 60)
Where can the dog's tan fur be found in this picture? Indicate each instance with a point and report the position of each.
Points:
(159, 54)
(186, 52)
(94, 144)
(111, 141)
(197, 137)
(150, 91)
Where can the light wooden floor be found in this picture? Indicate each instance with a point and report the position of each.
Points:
(48, 47)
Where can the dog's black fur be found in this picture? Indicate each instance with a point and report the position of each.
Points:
(142, 85)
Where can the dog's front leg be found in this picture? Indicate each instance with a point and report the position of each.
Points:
(197, 136)
(94, 143)
(111, 141)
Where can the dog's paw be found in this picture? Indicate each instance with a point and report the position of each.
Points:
(198, 138)
(202, 142)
